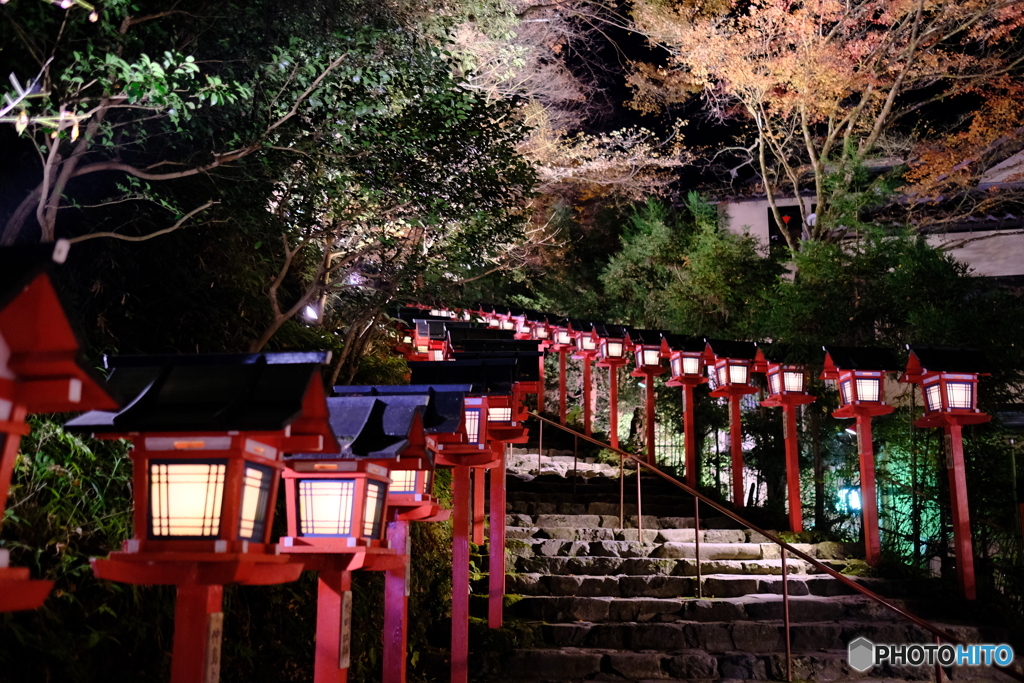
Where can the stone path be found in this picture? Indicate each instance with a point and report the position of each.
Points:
(595, 602)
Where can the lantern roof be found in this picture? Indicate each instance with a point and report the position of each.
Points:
(444, 411)
(924, 359)
(578, 325)
(371, 426)
(38, 343)
(645, 337)
(779, 353)
(739, 350)
(215, 393)
(527, 369)
(607, 331)
(488, 376)
(874, 359)
(680, 342)
(459, 336)
(410, 314)
(503, 346)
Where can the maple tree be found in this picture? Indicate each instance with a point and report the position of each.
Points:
(833, 92)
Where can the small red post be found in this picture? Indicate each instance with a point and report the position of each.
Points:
(333, 626)
(736, 448)
(496, 562)
(479, 486)
(796, 522)
(649, 380)
(460, 574)
(690, 439)
(613, 405)
(396, 605)
(961, 514)
(198, 633)
(562, 408)
(9, 443)
(868, 497)
(587, 391)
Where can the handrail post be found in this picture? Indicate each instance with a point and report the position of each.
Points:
(575, 459)
(696, 539)
(540, 446)
(639, 509)
(785, 616)
(622, 492)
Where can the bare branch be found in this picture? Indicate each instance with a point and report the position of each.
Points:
(130, 238)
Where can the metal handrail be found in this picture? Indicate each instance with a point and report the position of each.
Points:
(934, 630)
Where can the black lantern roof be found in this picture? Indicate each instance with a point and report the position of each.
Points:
(490, 376)
(790, 354)
(740, 350)
(951, 359)
(458, 336)
(437, 328)
(370, 426)
(410, 314)
(606, 331)
(214, 392)
(680, 342)
(645, 337)
(502, 346)
(862, 358)
(443, 414)
(527, 369)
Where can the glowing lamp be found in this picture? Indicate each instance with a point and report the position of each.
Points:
(729, 366)
(648, 350)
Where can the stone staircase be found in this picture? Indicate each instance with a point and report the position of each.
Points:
(591, 601)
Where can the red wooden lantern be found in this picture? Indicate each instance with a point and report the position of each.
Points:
(949, 381)
(648, 349)
(860, 373)
(611, 354)
(686, 360)
(786, 390)
(730, 364)
(208, 435)
(563, 345)
(40, 372)
(586, 341)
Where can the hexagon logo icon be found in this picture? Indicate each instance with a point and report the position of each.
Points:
(861, 654)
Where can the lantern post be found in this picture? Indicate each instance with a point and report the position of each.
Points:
(562, 345)
(40, 372)
(860, 374)
(491, 419)
(648, 348)
(541, 330)
(732, 363)
(612, 355)
(586, 339)
(787, 389)
(686, 360)
(208, 435)
(949, 382)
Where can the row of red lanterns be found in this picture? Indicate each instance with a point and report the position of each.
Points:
(948, 377)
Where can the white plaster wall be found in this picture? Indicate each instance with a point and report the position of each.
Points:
(751, 215)
(990, 253)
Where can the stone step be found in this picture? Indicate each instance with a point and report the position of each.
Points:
(745, 608)
(650, 522)
(567, 665)
(553, 547)
(642, 566)
(674, 586)
(719, 637)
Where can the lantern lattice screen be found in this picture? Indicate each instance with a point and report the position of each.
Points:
(186, 497)
(403, 481)
(376, 495)
(255, 497)
(325, 507)
(473, 425)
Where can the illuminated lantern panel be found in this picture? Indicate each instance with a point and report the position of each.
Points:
(508, 325)
(437, 354)
(774, 384)
(407, 339)
(562, 337)
(587, 343)
(613, 349)
(540, 332)
(473, 425)
(186, 498)
(712, 379)
(325, 507)
(868, 389)
(524, 327)
(732, 374)
(648, 358)
(691, 366)
(793, 380)
(422, 348)
(256, 486)
(493, 322)
(408, 482)
(499, 414)
(960, 394)
(373, 512)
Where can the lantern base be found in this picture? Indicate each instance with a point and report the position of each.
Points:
(852, 410)
(18, 591)
(479, 459)
(196, 568)
(733, 390)
(952, 418)
(508, 434)
(794, 399)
